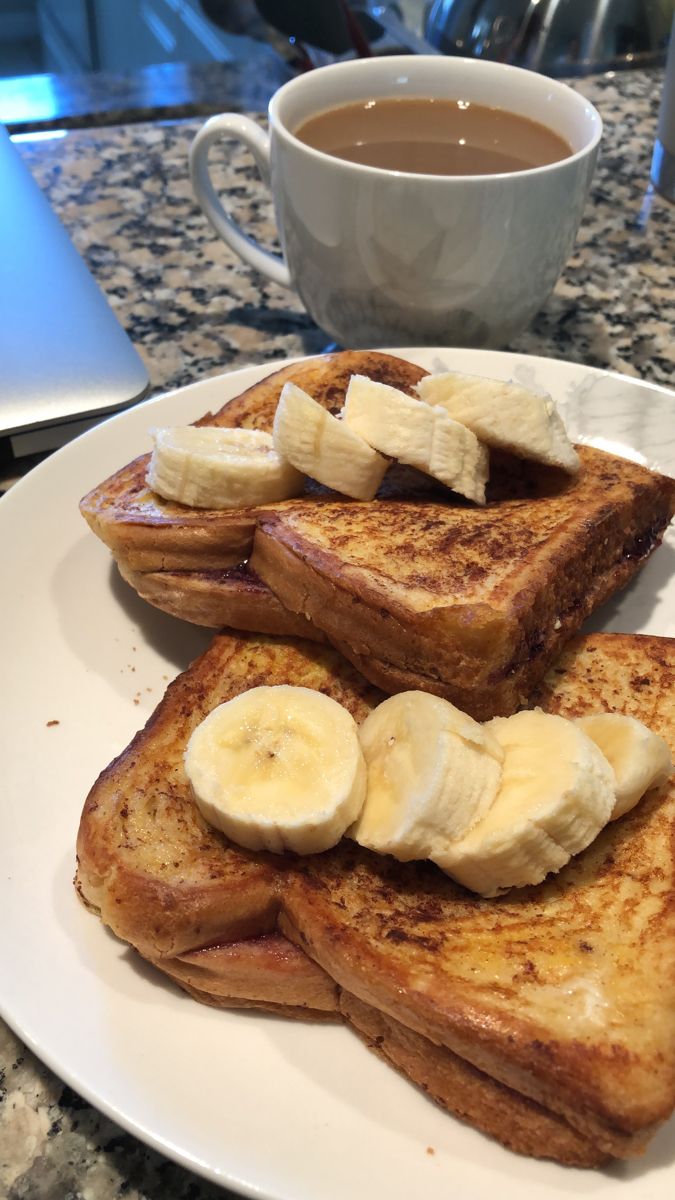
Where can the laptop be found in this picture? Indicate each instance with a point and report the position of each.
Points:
(65, 361)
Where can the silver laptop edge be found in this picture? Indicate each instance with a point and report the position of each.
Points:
(64, 357)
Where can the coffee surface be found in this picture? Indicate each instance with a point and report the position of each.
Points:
(433, 137)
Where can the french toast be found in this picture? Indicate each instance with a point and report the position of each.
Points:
(418, 588)
(470, 603)
(545, 1017)
(148, 533)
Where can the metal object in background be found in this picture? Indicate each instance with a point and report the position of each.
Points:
(663, 161)
(556, 37)
(326, 30)
(331, 26)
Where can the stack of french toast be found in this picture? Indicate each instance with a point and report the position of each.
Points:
(544, 1015)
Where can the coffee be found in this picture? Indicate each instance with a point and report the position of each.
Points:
(433, 137)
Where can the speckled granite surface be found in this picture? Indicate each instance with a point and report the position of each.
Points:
(194, 311)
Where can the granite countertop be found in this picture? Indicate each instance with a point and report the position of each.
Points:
(193, 311)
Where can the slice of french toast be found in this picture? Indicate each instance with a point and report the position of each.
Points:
(418, 588)
(545, 1017)
(234, 596)
(148, 533)
(471, 603)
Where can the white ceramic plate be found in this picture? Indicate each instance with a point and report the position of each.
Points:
(270, 1107)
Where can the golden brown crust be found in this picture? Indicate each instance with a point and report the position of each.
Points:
(481, 703)
(564, 993)
(326, 378)
(235, 597)
(473, 604)
(518, 1123)
(273, 1008)
(267, 970)
(152, 534)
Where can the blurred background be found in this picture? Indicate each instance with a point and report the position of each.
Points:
(48, 48)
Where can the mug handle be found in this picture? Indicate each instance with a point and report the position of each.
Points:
(234, 125)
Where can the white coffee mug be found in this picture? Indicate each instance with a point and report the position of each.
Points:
(384, 257)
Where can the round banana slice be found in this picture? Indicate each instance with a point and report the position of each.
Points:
(639, 758)
(278, 768)
(208, 467)
(325, 448)
(432, 773)
(556, 794)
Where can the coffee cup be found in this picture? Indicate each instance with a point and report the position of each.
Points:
(383, 257)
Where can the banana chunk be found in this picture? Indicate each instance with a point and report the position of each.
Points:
(504, 415)
(639, 758)
(278, 768)
(556, 794)
(324, 448)
(417, 434)
(209, 467)
(432, 773)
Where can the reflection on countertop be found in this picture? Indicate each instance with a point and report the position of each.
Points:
(167, 91)
(193, 310)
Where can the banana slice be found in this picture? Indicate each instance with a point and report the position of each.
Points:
(278, 768)
(209, 467)
(556, 794)
(639, 758)
(417, 434)
(432, 773)
(503, 415)
(324, 448)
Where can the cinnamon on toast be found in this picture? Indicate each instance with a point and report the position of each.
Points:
(545, 1017)
(471, 603)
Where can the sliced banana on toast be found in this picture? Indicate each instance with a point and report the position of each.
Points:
(206, 466)
(432, 771)
(556, 794)
(495, 806)
(503, 415)
(278, 768)
(418, 435)
(326, 449)
(639, 758)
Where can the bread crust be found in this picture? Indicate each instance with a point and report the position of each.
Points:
(266, 971)
(152, 534)
(235, 597)
(501, 1112)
